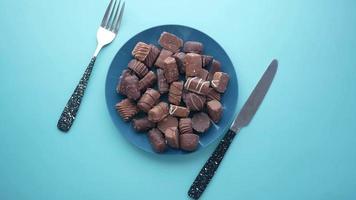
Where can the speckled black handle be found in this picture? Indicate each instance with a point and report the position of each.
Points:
(70, 110)
(211, 165)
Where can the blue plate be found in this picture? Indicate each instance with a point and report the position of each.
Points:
(211, 47)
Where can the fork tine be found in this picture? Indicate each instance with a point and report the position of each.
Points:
(107, 14)
(117, 23)
(112, 23)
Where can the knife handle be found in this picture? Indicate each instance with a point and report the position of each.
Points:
(70, 110)
(208, 170)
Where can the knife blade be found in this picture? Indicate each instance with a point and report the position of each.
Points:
(243, 119)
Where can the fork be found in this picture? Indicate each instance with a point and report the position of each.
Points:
(105, 35)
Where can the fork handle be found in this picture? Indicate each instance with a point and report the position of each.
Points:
(70, 110)
(208, 170)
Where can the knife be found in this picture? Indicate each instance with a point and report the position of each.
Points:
(243, 119)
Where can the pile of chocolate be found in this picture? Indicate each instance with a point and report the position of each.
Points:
(194, 83)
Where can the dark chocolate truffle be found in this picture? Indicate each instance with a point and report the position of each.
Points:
(157, 140)
(141, 51)
(188, 142)
(200, 122)
(193, 47)
(214, 110)
(166, 123)
(171, 70)
(138, 67)
(172, 137)
(178, 111)
(126, 109)
(148, 99)
(142, 124)
(158, 112)
(147, 81)
(220, 81)
(170, 41)
(197, 85)
(162, 56)
(175, 92)
(194, 102)
(163, 86)
(185, 126)
(193, 64)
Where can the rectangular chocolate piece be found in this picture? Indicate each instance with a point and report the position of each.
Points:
(162, 56)
(197, 85)
(162, 81)
(214, 67)
(178, 111)
(193, 47)
(170, 41)
(171, 70)
(180, 61)
(220, 81)
(203, 74)
(214, 110)
(175, 92)
(152, 56)
(193, 64)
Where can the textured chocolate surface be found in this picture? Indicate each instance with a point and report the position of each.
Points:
(138, 67)
(121, 85)
(188, 142)
(167, 122)
(214, 110)
(178, 111)
(163, 86)
(148, 99)
(152, 56)
(126, 109)
(213, 94)
(197, 85)
(141, 51)
(162, 56)
(170, 41)
(132, 90)
(147, 81)
(193, 47)
(194, 102)
(157, 140)
(220, 81)
(158, 112)
(180, 61)
(200, 122)
(171, 70)
(172, 137)
(206, 60)
(175, 92)
(214, 67)
(142, 124)
(193, 64)
(203, 74)
(185, 126)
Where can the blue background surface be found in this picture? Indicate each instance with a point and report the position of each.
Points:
(300, 145)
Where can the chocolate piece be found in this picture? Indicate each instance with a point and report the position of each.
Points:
(193, 64)
(197, 85)
(172, 137)
(214, 110)
(152, 56)
(121, 85)
(157, 140)
(188, 142)
(170, 41)
(138, 67)
(194, 102)
(175, 92)
(203, 74)
(131, 87)
(180, 61)
(142, 124)
(171, 70)
(185, 126)
(193, 47)
(206, 60)
(162, 82)
(166, 123)
(162, 56)
(214, 67)
(126, 109)
(141, 51)
(147, 81)
(148, 100)
(178, 111)
(220, 81)
(200, 122)
(213, 94)
(158, 112)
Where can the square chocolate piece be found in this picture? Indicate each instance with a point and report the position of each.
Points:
(162, 56)
(170, 41)
(193, 64)
(220, 81)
